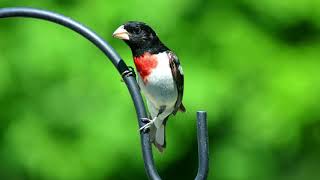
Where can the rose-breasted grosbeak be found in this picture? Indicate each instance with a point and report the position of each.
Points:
(160, 76)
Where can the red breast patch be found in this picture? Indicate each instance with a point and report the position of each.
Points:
(145, 64)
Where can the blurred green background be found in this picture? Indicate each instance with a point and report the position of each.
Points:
(253, 65)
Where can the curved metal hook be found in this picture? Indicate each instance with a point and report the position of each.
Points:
(129, 80)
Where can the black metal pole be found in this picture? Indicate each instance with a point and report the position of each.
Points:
(145, 142)
(203, 146)
(129, 80)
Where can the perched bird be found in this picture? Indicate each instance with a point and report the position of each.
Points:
(160, 77)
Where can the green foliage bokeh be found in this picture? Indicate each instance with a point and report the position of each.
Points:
(252, 65)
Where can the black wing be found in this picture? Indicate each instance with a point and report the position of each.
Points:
(177, 74)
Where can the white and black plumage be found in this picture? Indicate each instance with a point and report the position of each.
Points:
(160, 76)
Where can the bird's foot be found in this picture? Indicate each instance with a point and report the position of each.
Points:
(149, 123)
(129, 72)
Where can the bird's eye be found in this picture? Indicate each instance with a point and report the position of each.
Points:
(137, 30)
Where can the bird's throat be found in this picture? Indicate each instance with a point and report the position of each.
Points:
(145, 64)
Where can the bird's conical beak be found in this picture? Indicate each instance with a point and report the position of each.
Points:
(121, 33)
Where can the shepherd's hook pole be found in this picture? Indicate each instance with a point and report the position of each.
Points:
(129, 80)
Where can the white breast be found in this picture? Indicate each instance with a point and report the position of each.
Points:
(160, 89)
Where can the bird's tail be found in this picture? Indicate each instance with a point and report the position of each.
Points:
(158, 137)
(182, 108)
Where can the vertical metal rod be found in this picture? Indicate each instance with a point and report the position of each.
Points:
(203, 146)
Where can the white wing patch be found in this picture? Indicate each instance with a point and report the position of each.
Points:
(180, 69)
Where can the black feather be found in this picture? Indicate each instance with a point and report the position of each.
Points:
(178, 77)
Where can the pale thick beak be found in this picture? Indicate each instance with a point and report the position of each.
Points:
(121, 33)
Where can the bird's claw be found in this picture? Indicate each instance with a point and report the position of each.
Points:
(129, 72)
(145, 120)
(148, 122)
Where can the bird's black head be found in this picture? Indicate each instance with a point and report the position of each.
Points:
(140, 38)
